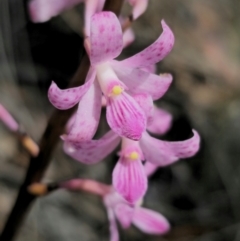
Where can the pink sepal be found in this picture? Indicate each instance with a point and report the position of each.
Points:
(163, 153)
(161, 121)
(145, 101)
(105, 37)
(140, 81)
(93, 151)
(65, 99)
(155, 52)
(43, 10)
(87, 116)
(150, 168)
(124, 214)
(114, 236)
(149, 221)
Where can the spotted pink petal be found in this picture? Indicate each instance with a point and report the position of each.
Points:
(114, 236)
(7, 119)
(65, 99)
(139, 7)
(105, 37)
(93, 151)
(149, 221)
(150, 168)
(146, 103)
(163, 153)
(129, 179)
(155, 52)
(125, 116)
(140, 81)
(161, 121)
(87, 116)
(124, 214)
(43, 10)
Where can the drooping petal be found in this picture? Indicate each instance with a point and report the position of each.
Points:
(65, 99)
(163, 153)
(93, 151)
(105, 37)
(114, 236)
(87, 117)
(7, 119)
(124, 214)
(150, 168)
(161, 121)
(149, 221)
(140, 81)
(129, 179)
(155, 52)
(146, 103)
(139, 7)
(125, 116)
(44, 10)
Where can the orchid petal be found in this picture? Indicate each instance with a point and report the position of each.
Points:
(150, 68)
(90, 9)
(114, 236)
(139, 7)
(7, 119)
(161, 121)
(149, 221)
(93, 151)
(129, 179)
(125, 116)
(105, 37)
(124, 214)
(43, 10)
(155, 52)
(163, 153)
(87, 117)
(145, 101)
(128, 37)
(139, 81)
(150, 168)
(65, 99)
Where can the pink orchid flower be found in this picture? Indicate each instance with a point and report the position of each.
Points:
(146, 220)
(129, 175)
(119, 209)
(117, 80)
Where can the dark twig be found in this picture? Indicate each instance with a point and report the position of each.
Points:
(47, 144)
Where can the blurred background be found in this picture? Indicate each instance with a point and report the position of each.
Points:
(200, 196)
